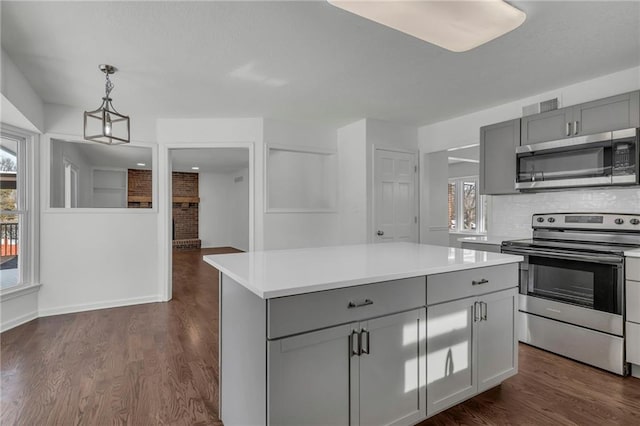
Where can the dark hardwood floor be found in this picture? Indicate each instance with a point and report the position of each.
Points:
(157, 364)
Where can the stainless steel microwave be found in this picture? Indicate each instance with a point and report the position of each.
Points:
(602, 159)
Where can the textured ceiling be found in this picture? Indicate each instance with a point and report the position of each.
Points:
(302, 60)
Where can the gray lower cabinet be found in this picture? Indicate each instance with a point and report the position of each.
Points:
(498, 143)
(308, 378)
(363, 373)
(632, 325)
(476, 331)
(602, 115)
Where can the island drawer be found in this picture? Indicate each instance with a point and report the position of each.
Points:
(471, 282)
(633, 268)
(311, 311)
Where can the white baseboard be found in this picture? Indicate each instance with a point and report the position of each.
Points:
(101, 305)
(14, 322)
(635, 370)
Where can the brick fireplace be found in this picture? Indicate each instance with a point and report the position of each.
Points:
(185, 210)
(185, 199)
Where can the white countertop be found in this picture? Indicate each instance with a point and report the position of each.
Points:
(632, 253)
(488, 239)
(279, 273)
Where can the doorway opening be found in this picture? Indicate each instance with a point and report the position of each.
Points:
(210, 207)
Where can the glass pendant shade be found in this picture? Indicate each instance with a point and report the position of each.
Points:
(105, 124)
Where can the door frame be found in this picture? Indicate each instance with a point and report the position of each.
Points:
(416, 189)
(165, 246)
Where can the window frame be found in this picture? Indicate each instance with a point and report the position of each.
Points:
(27, 200)
(458, 183)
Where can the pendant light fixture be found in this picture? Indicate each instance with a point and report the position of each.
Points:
(106, 125)
(455, 25)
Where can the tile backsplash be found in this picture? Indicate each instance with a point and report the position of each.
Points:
(510, 215)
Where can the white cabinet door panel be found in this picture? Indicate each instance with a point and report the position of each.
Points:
(391, 384)
(497, 341)
(450, 354)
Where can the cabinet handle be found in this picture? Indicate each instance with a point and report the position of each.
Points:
(353, 305)
(353, 339)
(483, 305)
(575, 127)
(568, 130)
(368, 343)
(476, 311)
(482, 281)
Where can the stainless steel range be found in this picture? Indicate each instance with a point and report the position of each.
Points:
(572, 285)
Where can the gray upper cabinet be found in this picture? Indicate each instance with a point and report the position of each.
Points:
(613, 113)
(603, 115)
(498, 144)
(547, 126)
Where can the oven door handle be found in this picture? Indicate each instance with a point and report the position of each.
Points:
(606, 259)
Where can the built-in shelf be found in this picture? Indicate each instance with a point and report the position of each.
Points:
(109, 187)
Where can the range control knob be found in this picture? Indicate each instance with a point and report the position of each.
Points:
(619, 221)
(551, 220)
(540, 219)
(634, 221)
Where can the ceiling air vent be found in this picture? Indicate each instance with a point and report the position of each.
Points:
(544, 106)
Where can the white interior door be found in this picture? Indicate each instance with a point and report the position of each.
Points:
(395, 213)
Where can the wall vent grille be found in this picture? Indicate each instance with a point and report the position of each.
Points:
(544, 106)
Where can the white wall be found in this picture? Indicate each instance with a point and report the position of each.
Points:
(292, 230)
(239, 205)
(97, 260)
(18, 93)
(510, 215)
(352, 178)
(224, 209)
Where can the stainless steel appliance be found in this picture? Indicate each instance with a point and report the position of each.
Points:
(571, 298)
(603, 159)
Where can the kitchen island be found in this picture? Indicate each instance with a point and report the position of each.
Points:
(367, 334)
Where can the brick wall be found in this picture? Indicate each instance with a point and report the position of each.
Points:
(139, 186)
(185, 213)
(185, 184)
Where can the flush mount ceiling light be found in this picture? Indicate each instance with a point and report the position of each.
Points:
(456, 25)
(106, 125)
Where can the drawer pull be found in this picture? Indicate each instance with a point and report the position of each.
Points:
(482, 281)
(366, 302)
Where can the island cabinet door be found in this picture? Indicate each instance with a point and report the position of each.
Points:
(391, 386)
(450, 353)
(309, 377)
(497, 341)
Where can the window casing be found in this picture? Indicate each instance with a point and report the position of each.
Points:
(466, 207)
(19, 215)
